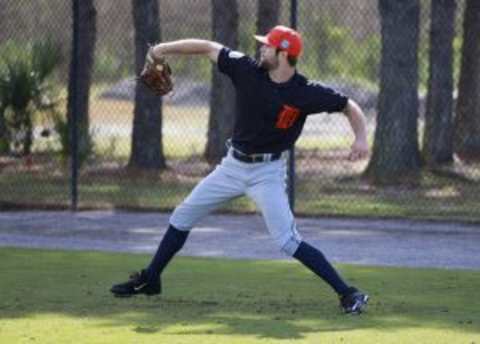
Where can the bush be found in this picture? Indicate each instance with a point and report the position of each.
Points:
(85, 149)
(108, 66)
(24, 89)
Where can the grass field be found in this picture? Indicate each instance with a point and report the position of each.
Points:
(62, 297)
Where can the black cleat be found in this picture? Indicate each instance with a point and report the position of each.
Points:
(137, 284)
(354, 302)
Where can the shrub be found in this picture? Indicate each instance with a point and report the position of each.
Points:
(24, 90)
(85, 148)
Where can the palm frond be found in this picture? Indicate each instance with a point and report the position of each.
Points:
(46, 56)
(21, 83)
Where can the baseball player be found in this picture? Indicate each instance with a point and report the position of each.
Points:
(273, 101)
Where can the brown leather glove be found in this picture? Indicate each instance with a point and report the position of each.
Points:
(156, 74)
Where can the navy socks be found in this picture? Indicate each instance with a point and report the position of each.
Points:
(316, 261)
(309, 256)
(171, 243)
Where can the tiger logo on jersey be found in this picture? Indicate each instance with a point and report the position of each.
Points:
(287, 117)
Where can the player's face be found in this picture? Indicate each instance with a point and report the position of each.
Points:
(268, 57)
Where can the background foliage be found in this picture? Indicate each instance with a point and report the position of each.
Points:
(342, 48)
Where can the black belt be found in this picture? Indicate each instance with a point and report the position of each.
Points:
(251, 158)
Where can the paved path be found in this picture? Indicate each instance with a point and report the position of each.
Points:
(376, 242)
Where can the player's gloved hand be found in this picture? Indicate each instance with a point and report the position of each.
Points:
(359, 150)
(156, 74)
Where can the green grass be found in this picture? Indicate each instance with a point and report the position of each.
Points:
(436, 199)
(62, 297)
(101, 192)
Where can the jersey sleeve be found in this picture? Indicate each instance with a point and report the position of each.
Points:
(326, 99)
(233, 63)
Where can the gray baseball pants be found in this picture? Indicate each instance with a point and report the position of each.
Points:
(263, 182)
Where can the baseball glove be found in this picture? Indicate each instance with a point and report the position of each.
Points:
(156, 74)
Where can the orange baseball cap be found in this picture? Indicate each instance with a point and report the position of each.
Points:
(283, 38)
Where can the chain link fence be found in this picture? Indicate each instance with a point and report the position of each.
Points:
(342, 49)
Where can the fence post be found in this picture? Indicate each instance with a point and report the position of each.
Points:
(73, 120)
(291, 155)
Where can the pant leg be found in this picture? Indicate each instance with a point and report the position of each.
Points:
(269, 194)
(214, 190)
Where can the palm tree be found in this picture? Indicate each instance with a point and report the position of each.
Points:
(438, 137)
(467, 119)
(147, 149)
(222, 98)
(4, 141)
(268, 13)
(3, 130)
(396, 155)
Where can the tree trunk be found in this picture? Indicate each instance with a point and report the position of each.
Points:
(396, 156)
(87, 31)
(147, 150)
(3, 125)
(438, 137)
(222, 97)
(268, 13)
(3, 132)
(28, 127)
(467, 120)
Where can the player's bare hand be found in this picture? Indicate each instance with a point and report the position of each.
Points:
(359, 150)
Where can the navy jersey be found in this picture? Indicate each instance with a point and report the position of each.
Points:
(270, 116)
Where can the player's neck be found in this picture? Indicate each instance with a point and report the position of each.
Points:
(281, 74)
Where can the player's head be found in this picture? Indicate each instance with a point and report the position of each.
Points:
(283, 41)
